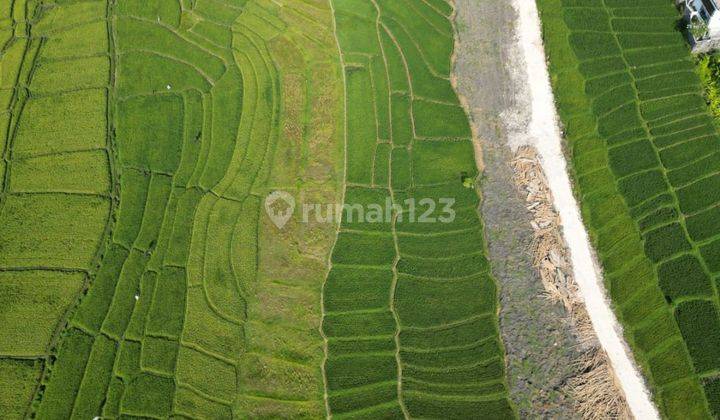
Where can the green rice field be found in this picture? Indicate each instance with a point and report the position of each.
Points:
(139, 275)
(646, 157)
(145, 272)
(410, 324)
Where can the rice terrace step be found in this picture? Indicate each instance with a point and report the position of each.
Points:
(359, 209)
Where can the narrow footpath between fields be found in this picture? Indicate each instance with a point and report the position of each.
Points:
(544, 134)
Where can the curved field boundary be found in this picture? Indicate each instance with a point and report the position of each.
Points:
(57, 180)
(187, 315)
(410, 315)
(645, 155)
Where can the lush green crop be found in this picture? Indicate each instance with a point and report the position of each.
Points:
(410, 309)
(644, 149)
(142, 138)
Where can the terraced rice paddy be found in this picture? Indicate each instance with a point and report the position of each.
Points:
(646, 158)
(410, 308)
(138, 274)
(140, 146)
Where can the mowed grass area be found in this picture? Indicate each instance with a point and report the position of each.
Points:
(646, 157)
(55, 180)
(154, 130)
(410, 309)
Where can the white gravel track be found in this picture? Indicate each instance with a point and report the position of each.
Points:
(543, 133)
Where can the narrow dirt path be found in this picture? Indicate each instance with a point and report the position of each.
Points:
(544, 134)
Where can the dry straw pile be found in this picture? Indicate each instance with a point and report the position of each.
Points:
(595, 388)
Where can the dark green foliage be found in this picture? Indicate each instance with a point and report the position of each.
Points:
(704, 225)
(587, 19)
(480, 371)
(602, 66)
(684, 277)
(631, 158)
(340, 346)
(358, 324)
(665, 242)
(661, 216)
(699, 324)
(638, 188)
(699, 195)
(613, 98)
(616, 84)
(711, 255)
(652, 205)
(712, 391)
(696, 170)
(447, 359)
(684, 135)
(355, 371)
(461, 334)
(95, 305)
(423, 303)
(485, 388)
(648, 171)
(348, 289)
(589, 45)
(148, 395)
(709, 69)
(450, 408)
(452, 267)
(60, 393)
(687, 152)
(377, 249)
(358, 399)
